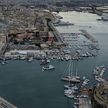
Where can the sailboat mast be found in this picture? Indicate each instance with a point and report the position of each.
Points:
(76, 68)
(72, 68)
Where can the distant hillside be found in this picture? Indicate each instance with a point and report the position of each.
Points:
(48, 1)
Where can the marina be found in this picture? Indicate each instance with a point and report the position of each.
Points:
(46, 88)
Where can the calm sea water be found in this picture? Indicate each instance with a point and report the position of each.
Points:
(26, 86)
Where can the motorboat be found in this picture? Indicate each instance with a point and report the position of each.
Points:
(85, 82)
(48, 67)
(69, 93)
(71, 87)
(30, 59)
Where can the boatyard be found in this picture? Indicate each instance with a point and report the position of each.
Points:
(49, 65)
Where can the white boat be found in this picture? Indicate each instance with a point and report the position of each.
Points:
(67, 57)
(30, 59)
(85, 82)
(67, 86)
(49, 67)
(3, 63)
(76, 103)
(69, 93)
(71, 87)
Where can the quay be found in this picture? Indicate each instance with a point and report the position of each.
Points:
(84, 99)
(89, 36)
(84, 103)
(100, 91)
(5, 104)
(100, 94)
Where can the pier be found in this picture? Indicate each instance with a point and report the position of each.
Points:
(56, 33)
(89, 36)
(84, 103)
(5, 104)
(70, 34)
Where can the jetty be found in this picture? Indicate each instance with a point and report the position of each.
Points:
(5, 104)
(89, 36)
(84, 103)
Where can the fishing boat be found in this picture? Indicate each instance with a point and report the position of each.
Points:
(48, 67)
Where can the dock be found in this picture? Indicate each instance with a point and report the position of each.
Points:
(89, 36)
(5, 104)
(84, 103)
(84, 99)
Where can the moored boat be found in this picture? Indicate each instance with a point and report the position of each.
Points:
(49, 67)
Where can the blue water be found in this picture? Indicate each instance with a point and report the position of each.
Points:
(26, 86)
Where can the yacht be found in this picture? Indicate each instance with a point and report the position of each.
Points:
(70, 77)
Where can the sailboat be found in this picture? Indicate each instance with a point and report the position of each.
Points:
(70, 89)
(70, 77)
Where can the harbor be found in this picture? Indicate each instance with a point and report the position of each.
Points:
(41, 83)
